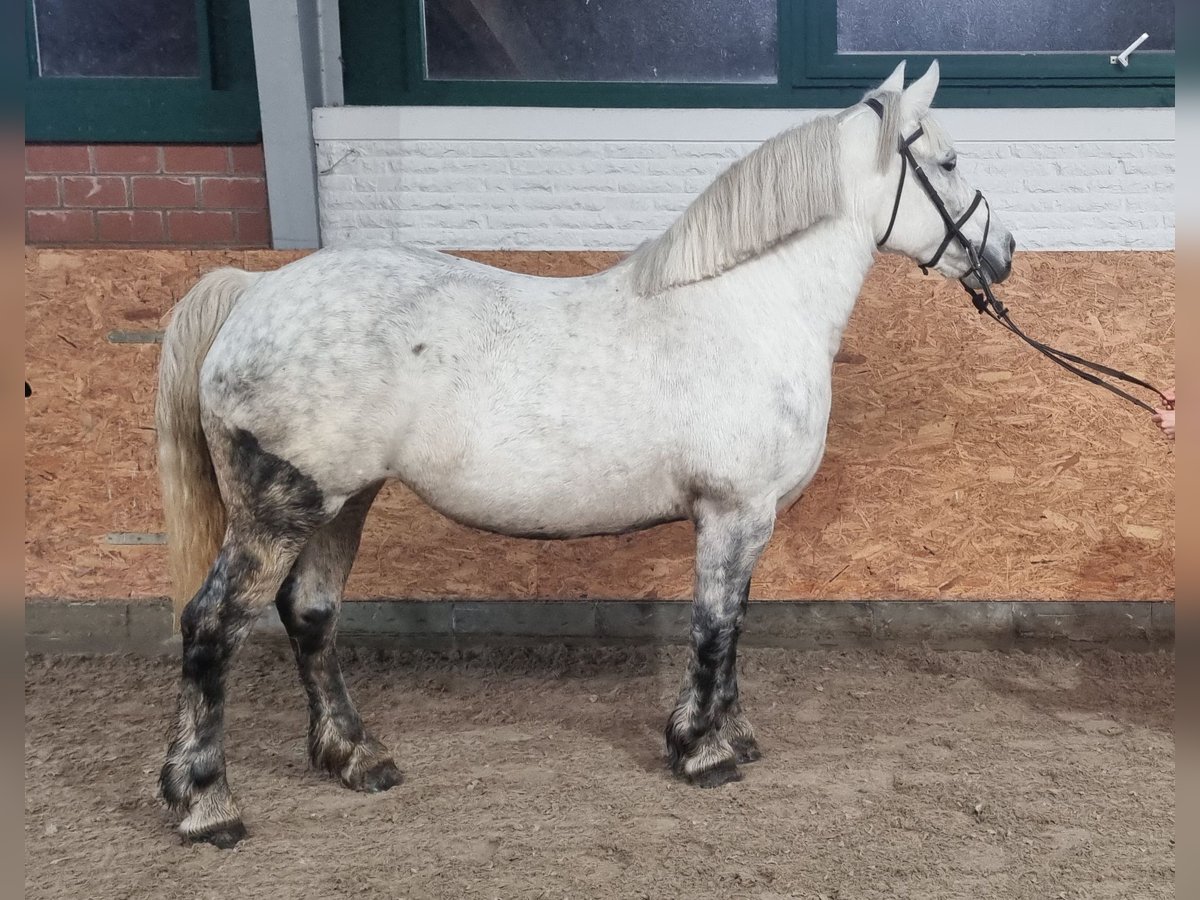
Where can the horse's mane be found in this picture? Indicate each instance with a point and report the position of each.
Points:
(783, 187)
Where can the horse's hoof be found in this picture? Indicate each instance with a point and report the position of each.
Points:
(723, 773)
(747, 751)
(224, 836)
(382, 776)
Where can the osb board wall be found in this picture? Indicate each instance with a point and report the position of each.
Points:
(959, 465)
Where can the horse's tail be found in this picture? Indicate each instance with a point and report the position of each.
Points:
(195, 514)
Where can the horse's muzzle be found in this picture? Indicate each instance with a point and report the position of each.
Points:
(997, 261)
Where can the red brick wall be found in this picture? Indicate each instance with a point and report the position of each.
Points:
(179, 195)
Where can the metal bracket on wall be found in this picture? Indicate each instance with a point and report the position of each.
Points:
(135, 538)
(1122, 58)
(135, 337)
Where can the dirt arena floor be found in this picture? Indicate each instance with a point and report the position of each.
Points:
(538, 774)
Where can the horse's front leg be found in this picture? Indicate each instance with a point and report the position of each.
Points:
(707, 734)
(735, 727)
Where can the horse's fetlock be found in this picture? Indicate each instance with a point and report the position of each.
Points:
(175, 786)
(683, 734)
(328, 747)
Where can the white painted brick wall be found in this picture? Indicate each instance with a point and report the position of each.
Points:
(566, 194)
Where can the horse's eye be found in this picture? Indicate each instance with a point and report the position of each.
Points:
(949, 164)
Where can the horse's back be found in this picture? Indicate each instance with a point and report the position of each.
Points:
(395, 361)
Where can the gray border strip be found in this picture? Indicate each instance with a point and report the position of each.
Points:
(136, 337)
(118, 626)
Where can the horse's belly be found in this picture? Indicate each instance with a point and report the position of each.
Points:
(538, 504)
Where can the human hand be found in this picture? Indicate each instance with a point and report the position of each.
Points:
(1165, 419)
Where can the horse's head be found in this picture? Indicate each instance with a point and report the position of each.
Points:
(920, 204)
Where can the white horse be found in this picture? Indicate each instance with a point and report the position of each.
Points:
(690, 381)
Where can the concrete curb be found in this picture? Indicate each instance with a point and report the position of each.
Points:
(144, 627)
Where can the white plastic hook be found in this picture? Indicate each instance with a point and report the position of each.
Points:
(1122, 58)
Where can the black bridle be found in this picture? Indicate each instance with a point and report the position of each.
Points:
(983, 298)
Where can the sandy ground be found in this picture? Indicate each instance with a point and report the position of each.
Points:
(538, 774)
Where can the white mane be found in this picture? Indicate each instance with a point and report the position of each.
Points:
(786, 185)
(781, 188)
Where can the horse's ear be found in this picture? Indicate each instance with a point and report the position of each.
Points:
(919, 96)
(895, 81)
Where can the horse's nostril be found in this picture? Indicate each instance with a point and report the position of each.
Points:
(1012, 245)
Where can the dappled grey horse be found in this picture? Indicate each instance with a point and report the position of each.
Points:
(690, 381)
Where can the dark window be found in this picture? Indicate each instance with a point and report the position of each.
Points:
(117, 37)
(140, 70)
(752, 53)
(710, 41)
(1003, 26)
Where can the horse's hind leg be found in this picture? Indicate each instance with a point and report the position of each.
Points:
(308, 604)
(244, 579)
(273, 509)
(707, 734)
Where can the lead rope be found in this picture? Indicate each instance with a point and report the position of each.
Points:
(988, 305)
(984, 300)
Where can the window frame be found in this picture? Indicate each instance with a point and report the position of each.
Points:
(218, 105)
(811, 72)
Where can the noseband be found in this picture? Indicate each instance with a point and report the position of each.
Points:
(983, 298)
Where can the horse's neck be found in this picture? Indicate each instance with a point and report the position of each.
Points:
(814, 278)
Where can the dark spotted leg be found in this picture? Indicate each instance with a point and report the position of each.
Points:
(735, 727)
(214, 624)
(273, 509)
(707, 733)
(308, 605)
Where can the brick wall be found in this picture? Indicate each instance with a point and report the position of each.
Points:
(607, 194)
(148, 195)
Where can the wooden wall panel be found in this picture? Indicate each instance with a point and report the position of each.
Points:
(959, 465)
